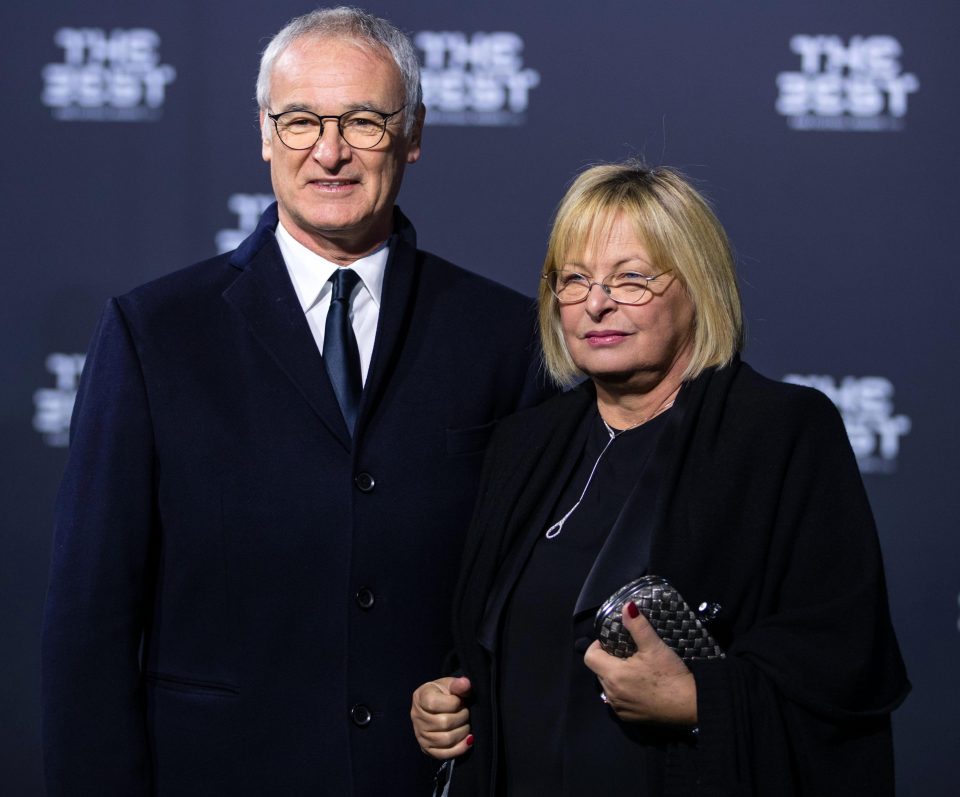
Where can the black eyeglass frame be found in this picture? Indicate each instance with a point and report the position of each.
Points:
(607, 289)
(384, 118)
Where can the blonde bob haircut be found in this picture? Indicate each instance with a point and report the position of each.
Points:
(680, 233)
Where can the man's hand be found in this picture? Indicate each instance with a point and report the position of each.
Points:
(653, 685)
(441, 720)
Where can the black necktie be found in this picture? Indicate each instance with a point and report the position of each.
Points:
(340, 351)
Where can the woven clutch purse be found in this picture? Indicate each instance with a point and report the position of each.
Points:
(675, 622)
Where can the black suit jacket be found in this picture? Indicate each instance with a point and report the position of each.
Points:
(241, 599)
(752, 499)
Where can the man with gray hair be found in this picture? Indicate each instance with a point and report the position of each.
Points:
(274, 457)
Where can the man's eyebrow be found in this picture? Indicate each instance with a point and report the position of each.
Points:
(295, 106)
(306, 106)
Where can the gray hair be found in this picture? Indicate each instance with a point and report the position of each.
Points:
(347, 23)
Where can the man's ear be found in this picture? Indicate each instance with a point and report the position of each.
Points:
(266, 137)
(413, 151)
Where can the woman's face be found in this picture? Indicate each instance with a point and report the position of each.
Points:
(641, 344)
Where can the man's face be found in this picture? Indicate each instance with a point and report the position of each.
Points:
(336, 200)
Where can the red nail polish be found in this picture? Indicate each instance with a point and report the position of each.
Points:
(632, 610)
(469, 740)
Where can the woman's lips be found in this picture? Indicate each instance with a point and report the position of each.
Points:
(604, 337)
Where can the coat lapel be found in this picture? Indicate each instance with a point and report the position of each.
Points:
(539, 482)
(399, 284)
(265, 297)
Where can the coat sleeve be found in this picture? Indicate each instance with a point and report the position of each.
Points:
(801, 704)
(92, 700)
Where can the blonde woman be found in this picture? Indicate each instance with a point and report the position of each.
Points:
(673, 458)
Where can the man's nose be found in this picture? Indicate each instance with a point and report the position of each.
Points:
(330, 149)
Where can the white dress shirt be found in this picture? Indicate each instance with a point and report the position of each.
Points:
(311, 274)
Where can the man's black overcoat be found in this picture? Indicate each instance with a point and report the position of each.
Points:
(241, 599)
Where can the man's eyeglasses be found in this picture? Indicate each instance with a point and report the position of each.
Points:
(624, 287)
(361, 129)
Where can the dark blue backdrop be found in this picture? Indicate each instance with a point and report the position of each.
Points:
(823, 132)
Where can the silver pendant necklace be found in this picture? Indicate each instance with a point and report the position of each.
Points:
(557, 527)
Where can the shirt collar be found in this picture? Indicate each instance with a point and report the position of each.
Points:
(310, 273)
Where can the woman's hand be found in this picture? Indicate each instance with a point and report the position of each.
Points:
(441, 720)
(653, 685)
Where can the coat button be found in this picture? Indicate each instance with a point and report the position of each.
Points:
(364, 482)
(365, 598)
(360, 715)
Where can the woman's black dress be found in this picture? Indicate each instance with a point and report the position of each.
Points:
(543, 676)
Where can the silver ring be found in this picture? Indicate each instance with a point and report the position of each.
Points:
(603, 697)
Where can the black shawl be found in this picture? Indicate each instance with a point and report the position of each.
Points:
(752, 499)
